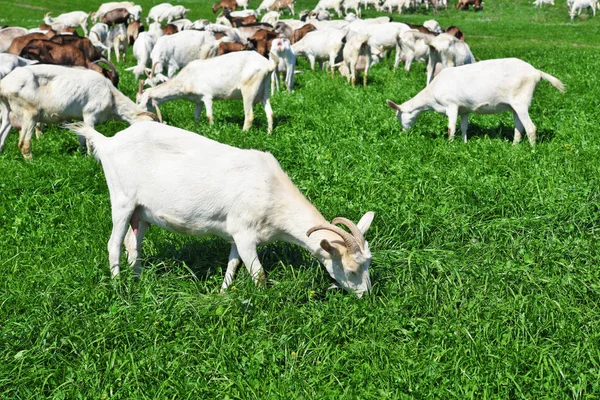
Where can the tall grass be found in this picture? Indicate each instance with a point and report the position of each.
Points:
(485, 260)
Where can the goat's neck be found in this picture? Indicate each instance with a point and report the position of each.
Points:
(423, 101)
(125, 108)
(169, 90)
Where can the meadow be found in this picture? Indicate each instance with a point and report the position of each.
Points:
(485, 257)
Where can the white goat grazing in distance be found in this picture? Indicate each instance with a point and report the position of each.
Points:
(486, 87)
(52, 94)
(70, 20)
(242, 75)
(189, 184)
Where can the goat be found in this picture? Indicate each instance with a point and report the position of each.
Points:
(279, 5)
(181, 24)
(133, 31)
(20, 42)
(106, 7)
(579, 5)
(86, 46)
(155, 30)
(176, 51)
(399, 4)
(240, 195)
(8, 62)
(330, 4)
(224, 4)
(281, 49)
(72, 19)
(433, 26)
(241, 75)
(357, 55)
(7, 35)
(264, 6)
(157, 11)
(230, 47)
(321, 44)
(116, 17)
(382, 37)
(117, 40)
(98, 35)
(299, 33)
(52, 94)
(262, 41)
(456, 32)
(486, 87)
(173, 13)
(142, 48)
(355, 4)
(447, 51)
(415, 46)
(135, 13)
(236, 22)
(170, 29)
(540, 3)
(464, 4)
(271, 18)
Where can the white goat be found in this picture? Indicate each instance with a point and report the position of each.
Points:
(142, 47)
(434, 26)
(117, 39)
(242, 3)
(415, 46)
(447, 51)
(99, 36)
(330, 5)
(323, 44)
(486, 87)
(272, 17)
(135, 13)
(155, 30)
(72, 19)
(382, 37)
(243, 13)
(52, 94)
(242, 75)
(182, 24)
(265, 6)
(173, 13)
(579, 5)
(357, 56)
(176, 51)
(157, 11)
(8, 62)
(8, 34)
(540, 3)
(354, 4)
(106, 7)
(390, 4)
(282, 50)
(209, 188)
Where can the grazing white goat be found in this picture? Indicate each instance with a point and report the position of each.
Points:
(323, 44)
(355, 4)
(176, 51)
(486, 87)
(415, 46)
(99, 36)
(204, 187)
(447, 51)
(281, 49)
(382, 37)
(390, 4)
(357, 56)
(265, 6)
(106, 7)
(117, 39)
(173, 13)
(52, 94)
(540, 3)
(8, 34)
(72, 19)
(157, 11)
(579, 5)
(242, 75)
(330, 5)
(142, 47)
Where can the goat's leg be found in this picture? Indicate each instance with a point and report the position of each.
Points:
(232, 266)
(209, 109)
(464, 125)
(268, 111)
(452, 113)
(133, 243)
(6, 125)
(311, 59)
(27, 129)
(121, 216)
(247, 251)
(523, 114)
(248, 99)
(518, 129)
(198, 111)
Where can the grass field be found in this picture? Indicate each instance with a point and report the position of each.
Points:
(485, 255)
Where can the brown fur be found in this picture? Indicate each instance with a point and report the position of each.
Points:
(301, 32)
(262, 41)
(464, 4)
(20, 42)
(116, 16)
(456, 32)
(133, 31)
(170, 29)
(224, 4)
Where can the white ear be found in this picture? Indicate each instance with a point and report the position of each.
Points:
(365, 222)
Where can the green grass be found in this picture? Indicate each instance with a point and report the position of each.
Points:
(485, 255)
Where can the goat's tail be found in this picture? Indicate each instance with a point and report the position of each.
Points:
(94, 138)
(553, 81)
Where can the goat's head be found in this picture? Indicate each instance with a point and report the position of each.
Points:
(406, 118)
(347, 260)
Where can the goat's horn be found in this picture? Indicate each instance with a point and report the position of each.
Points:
(349, 240)
(47, 14)
(141, 87)
(152, 71)
(112, 67)
(358, 235)
(158, 113)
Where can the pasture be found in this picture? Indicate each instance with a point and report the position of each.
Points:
(485, 256)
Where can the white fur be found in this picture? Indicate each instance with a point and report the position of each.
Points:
(322, 44)
(447, 51)
(106, 7)
(157, 11)
(357, 55)
(99, 35)
(434, 26)
(272, 17)
(243, 75)
(8, 34)
(173, 13)
(142, 47)
(390, 4)
(330, 5)
(189, 184)
(486, 87)
(579, 5)
(117, 40)
(264, 6)
(382, 37)
(415, 47)
(72, 19)
(281, 49)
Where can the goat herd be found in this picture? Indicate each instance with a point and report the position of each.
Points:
(208, 188)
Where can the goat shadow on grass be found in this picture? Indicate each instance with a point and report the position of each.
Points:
(204, 258)
(502, 132)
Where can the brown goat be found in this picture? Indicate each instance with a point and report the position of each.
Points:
(20, 42)
(237, 22)
(301, 32)
(133, 31)
(224, 4)
(262, 41)
(420, 28)
(464, 4)
(90, 52)
(456, 32)
(225, 47)
(116, 16)
(170, 29)
(281, 4)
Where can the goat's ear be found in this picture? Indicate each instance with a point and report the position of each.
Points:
(365, 222)
(328, 247)
(393, 105)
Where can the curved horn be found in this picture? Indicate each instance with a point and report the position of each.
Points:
(47, 14)
(141, 87)
(358, 235)
(152, 71)
(158, 113)
(349, 240)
